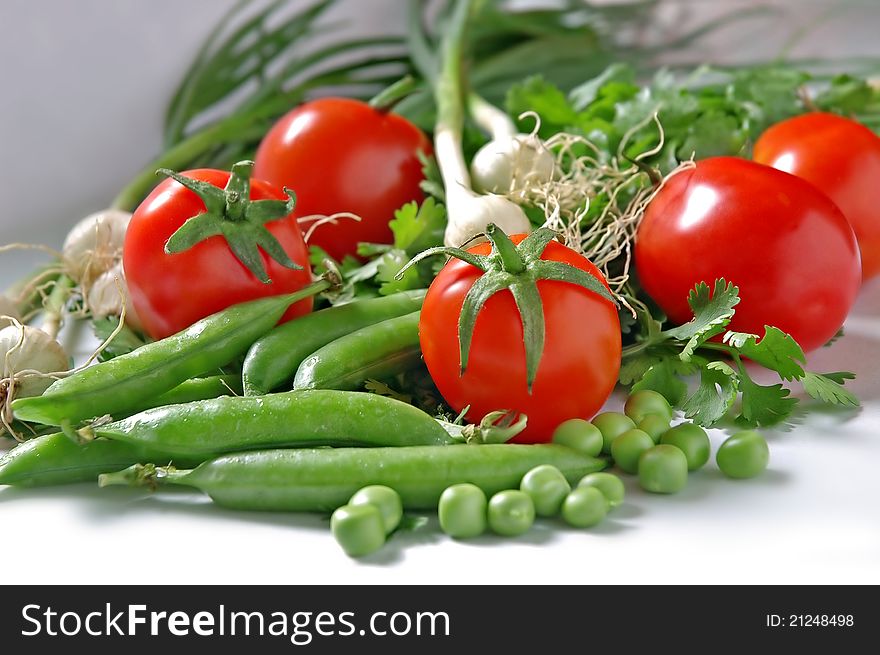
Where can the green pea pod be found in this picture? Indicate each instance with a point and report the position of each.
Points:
(55, 459)
(121, 384)
(273, 360)
(320, 480)
(193, 390)
(284, 420)
(378, 351)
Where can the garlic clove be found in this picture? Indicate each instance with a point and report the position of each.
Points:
(104, 297)
(94, 245)
(8, 311)
(27, 354)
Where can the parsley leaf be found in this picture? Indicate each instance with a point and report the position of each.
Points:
(764, 405)
(418, 227)
(382, 389)
(712, 313)
(633, 369)
(828, 387)
(663, 378)
(776, 351)
(123, 343)
(719, 385)
(548, 101)
(389, 266)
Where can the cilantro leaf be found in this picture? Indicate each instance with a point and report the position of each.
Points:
(719, 385)
(828, 387)
(548, 101)
(633, 369)
(583, 96)
(837, 336)
(388, 266)
(764, 406)
(123, 343)
(418, 227)
(776, 351)
(382, 389)
(663, 378)
(432, 184)
(712, 313)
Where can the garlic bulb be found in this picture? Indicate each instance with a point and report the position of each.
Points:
(27, 352)
(8, 311)
(104, 298)
(94, 245)
(469, 214)
(506, 164)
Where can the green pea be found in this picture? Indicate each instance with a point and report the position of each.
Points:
(612, 425)
(584, 507)
(646, 403)
(547, 488)
(663, 469)
(358, 529)
(654, 426)
(511, 513)
(609, 484)
(462, 511)
(383, 498)
(743, 455)
(627, 448)
(692, 440)
(580, 435)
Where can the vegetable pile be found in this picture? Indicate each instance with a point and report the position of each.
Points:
(423, 302)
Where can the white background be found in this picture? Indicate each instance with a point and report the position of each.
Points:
(84, 85)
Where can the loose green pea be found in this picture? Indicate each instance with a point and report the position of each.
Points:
(511, 513)
(609, 484)
(646, 403)
(580, 435)
(462, 511)
(654, 426)
(386, 500)
(663, 469)
(547, 488)
(743, 455)
(358, 529)
(628, 447)
(612, 425)
(584, 507)
(692, 440)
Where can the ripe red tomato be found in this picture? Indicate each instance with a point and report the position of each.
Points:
(341, 155)
(579, 366)
(841, 158)
(171, 292)
(785, 245)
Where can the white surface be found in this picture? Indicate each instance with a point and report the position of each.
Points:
(811, 518)
(80, 112)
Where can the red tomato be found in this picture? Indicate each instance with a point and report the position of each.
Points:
(840, 158)
(579, 366)
(341, 155)
(171, 292)
(785, 245)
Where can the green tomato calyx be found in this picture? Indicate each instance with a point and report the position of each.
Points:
(517, 268)
(231, 213)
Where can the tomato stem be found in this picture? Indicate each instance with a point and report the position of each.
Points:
(511, 261)
(517, 269)
(231, 213)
